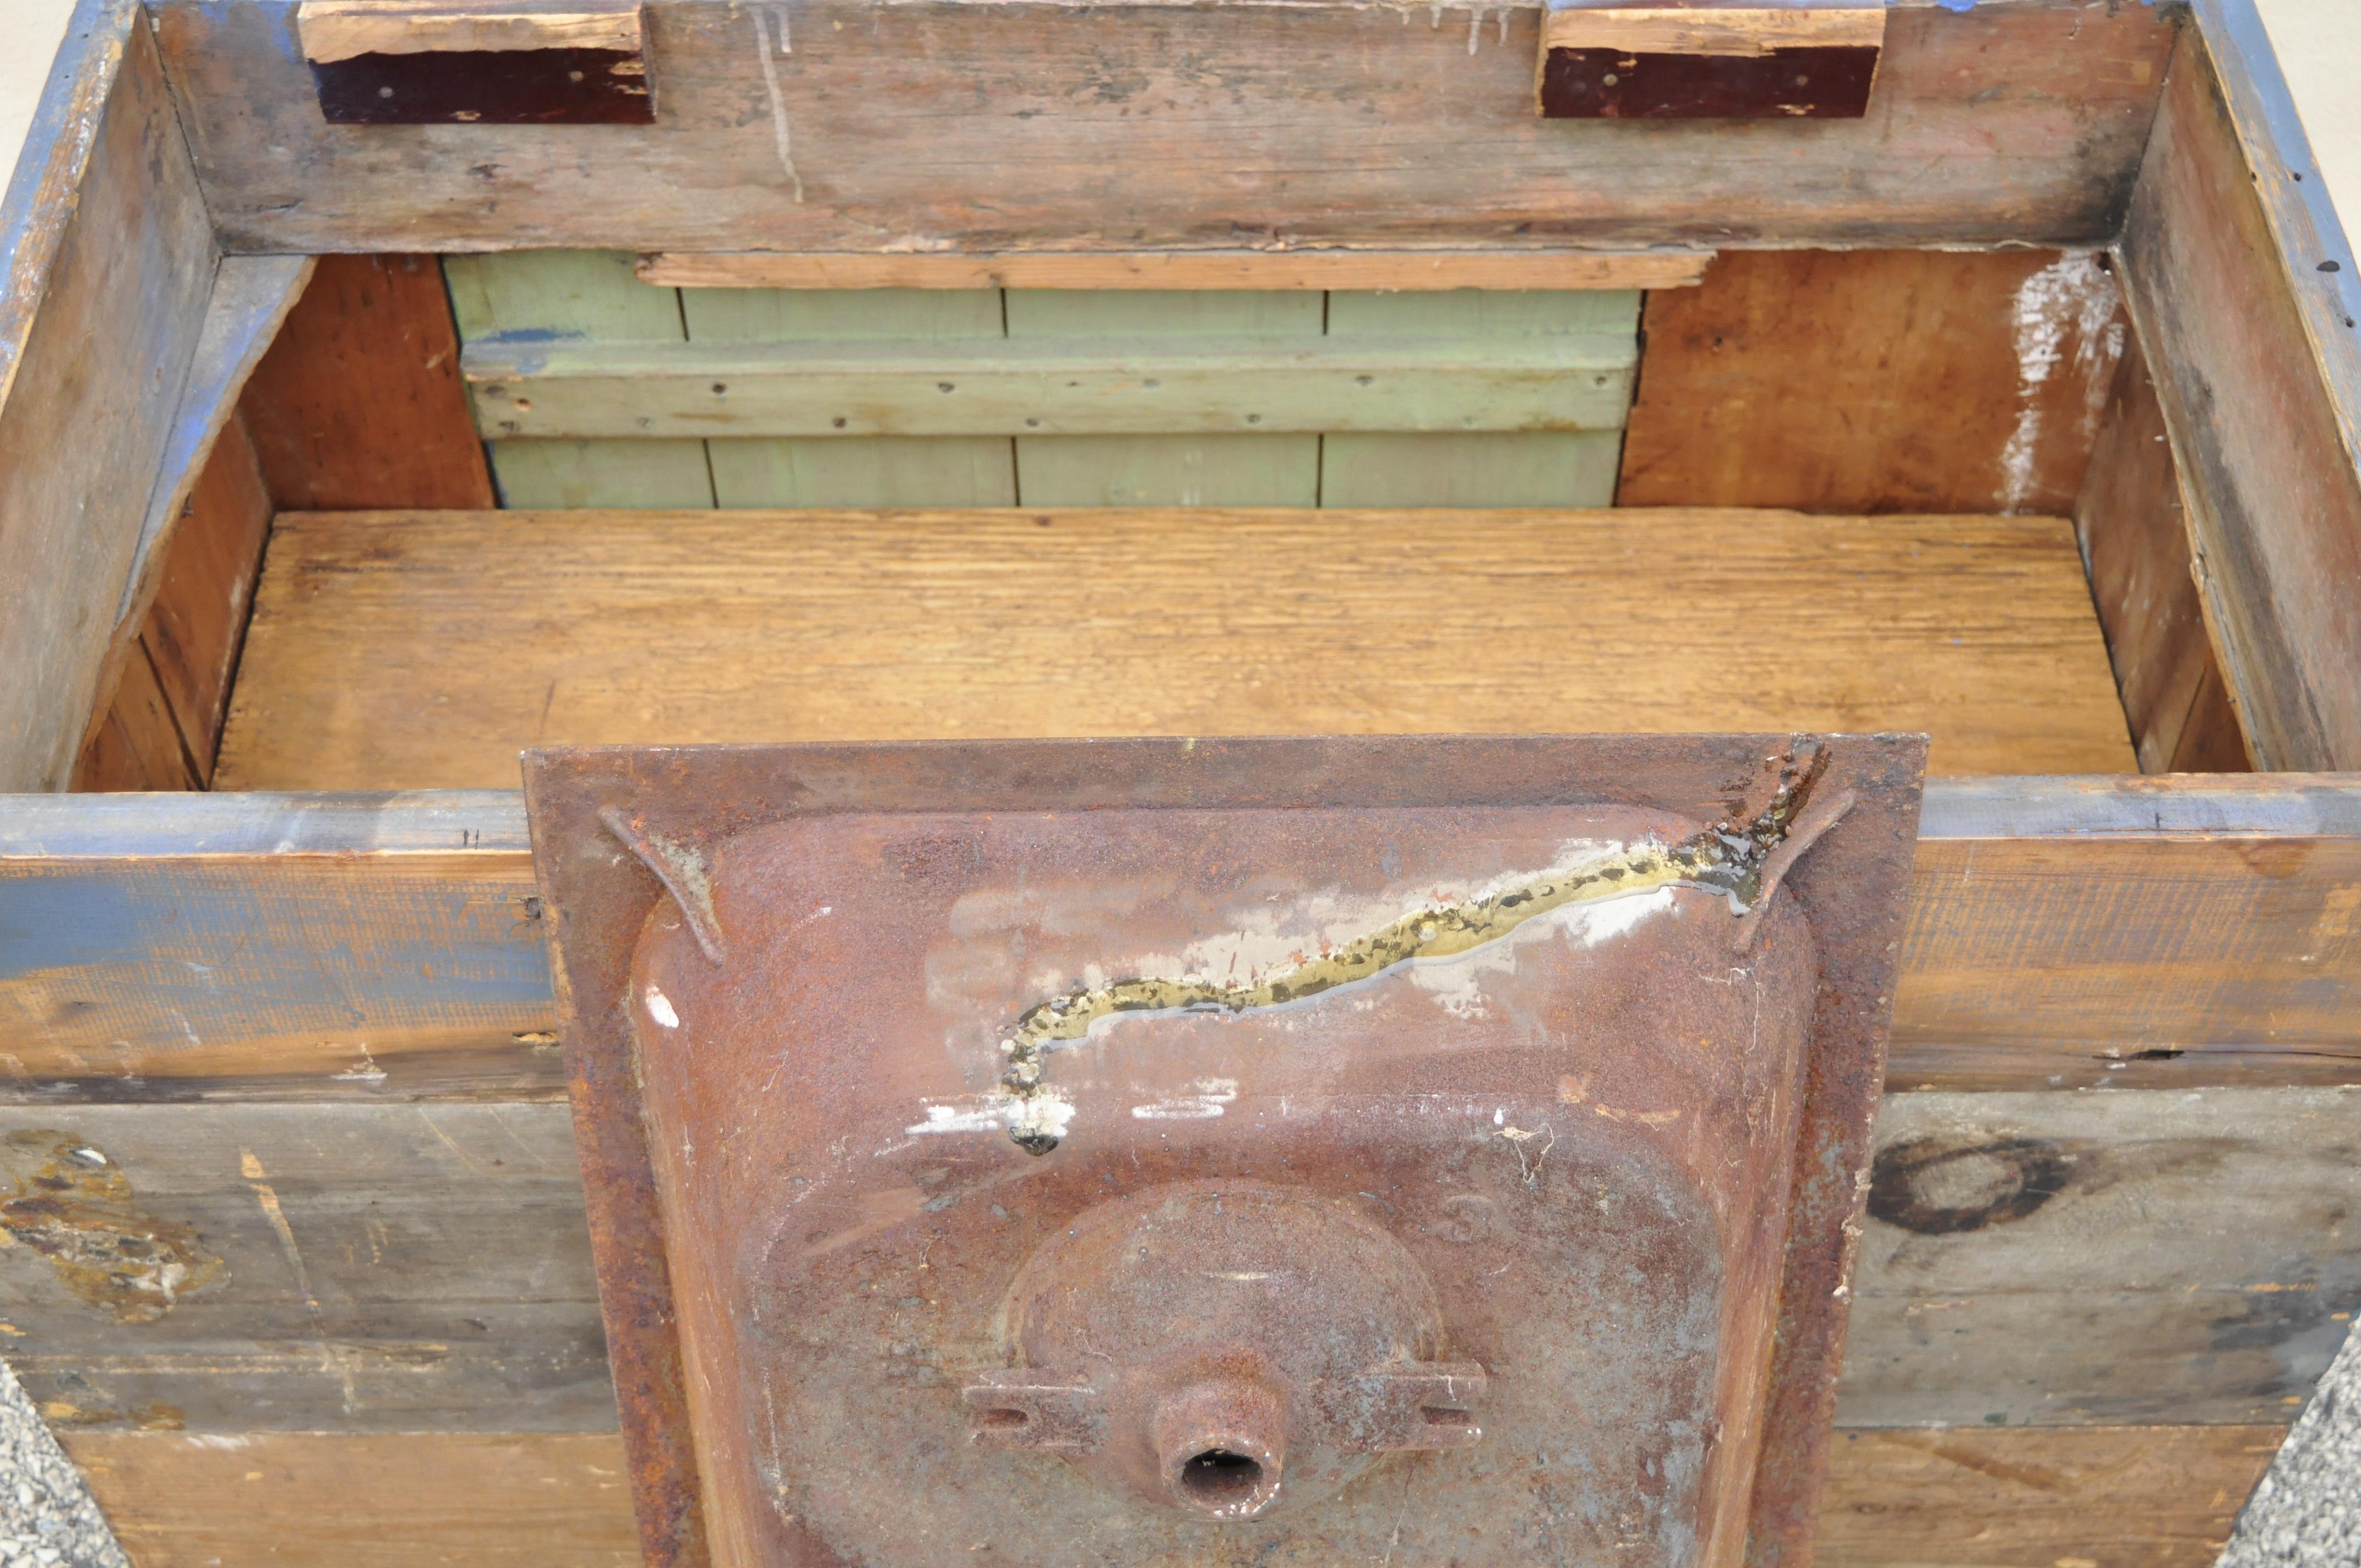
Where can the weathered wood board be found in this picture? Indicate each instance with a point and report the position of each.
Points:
(2032, 1259)
(2260, 384)
(424, 650)
(2110, 1496)
(109, 257)
(2016, 121)
(1416, 270)
(1876, 381)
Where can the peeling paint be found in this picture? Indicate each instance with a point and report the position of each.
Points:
(1727, 858)
(75, 1207)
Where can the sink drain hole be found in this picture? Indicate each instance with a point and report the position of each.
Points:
(1217, 1478)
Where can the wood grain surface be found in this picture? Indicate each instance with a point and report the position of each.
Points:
(2031, 1260)
(111, 256)
(1875, 381)
(359, 402)
(2265, 412)
(1505, 268)
(2018, 121)
(423, 650)
(2110, 1496)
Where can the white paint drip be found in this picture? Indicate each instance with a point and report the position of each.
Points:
(660, 1008)
(1046, 1114)
(2073, 294)
(779, 137)
(1213, 1094)
(1456, 982)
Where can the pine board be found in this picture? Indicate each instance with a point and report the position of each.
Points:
(424, 650)
(2108, 1496)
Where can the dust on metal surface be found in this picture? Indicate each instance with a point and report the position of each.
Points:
(1425, 1150)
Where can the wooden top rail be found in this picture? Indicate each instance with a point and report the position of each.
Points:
(2062, 932)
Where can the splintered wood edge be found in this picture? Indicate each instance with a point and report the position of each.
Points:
(1407, 271)
(1730, 30)
(340, 30)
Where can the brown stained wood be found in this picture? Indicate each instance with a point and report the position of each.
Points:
(1506, 268)
(1144, 127)
(196, 623)
(419, 650)
(2135, 536)
(135, 743)
(340, 30)
(112, 258)
(1875, 381)
(2108, 1496)
(2113, 1497)
(2264, 424)
(2052, 1261)
(359, 402)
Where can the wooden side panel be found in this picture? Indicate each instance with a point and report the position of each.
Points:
(110, 259)
(2045, 1260)
(1875, 381)
(1140, 128)
(2105, 1497)
(541, 298)
(2135, 538)
(187, 645)
(886, 471)
(2266, 416)
(2110, 1496)
(359, 403)
(1526, 469)
(1201, 469)
(2061, 934)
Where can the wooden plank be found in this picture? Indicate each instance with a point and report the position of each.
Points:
(2110, 1496)
(341, 29)
(2135, 536)
(109, 259)
(2105, 1257)
(1200, 468)
(423, 650)
(331, 1269)
(2062, 933)
(2105, 1497)
(1071, 386)
(1508, 267)
(2013, 122)
(317, 1500)
(2191, 1262)
(2045, 917)
(2261, 388)
(1807, 380)
(1717, 27)
(196, 623)
(590, 295)
(135, 742)
(1529, 468)
(358, 401)
(880, 472)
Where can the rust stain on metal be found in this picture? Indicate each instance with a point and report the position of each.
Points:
(74, 1206)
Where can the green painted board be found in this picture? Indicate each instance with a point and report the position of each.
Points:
(532, 296)
(1168, 470)
(1483, 468)
(883, 471)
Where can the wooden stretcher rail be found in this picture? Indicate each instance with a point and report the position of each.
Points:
(1509, 268)
(2062, 932)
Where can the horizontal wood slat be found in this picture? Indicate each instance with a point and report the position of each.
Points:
(425, 649)
(2012, 121)
(2061, 932)
(2110, 1496)
(1045, 386)
(1505, 267)
(2045, 1260)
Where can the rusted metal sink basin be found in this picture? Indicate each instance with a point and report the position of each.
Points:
(1412, 1151)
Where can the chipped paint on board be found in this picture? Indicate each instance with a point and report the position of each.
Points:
(75, 1207)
